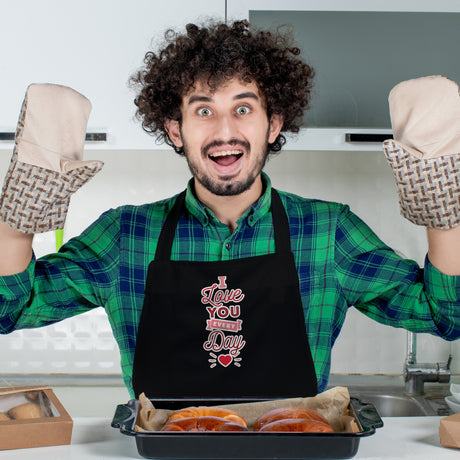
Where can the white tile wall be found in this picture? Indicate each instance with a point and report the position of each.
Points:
(362, 179)
(82, 345)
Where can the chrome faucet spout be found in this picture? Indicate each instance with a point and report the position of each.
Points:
(416, 374)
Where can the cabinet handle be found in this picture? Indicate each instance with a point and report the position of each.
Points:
(362, 137)
(96, 137)
(90, 137)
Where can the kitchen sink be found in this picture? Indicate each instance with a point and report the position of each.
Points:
(392, 401)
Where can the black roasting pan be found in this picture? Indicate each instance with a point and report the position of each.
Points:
(244, 445)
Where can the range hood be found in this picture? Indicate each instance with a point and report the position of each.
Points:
(359, 56)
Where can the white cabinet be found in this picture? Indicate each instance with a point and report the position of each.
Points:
(93, 46)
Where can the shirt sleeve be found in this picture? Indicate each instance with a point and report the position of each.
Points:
(80, 277)
(390, 289)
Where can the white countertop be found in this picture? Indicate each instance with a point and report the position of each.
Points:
(406, 438)
(92, 438)
(403, 438)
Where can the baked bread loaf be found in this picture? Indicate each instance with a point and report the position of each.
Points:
(203, 423)
(25, 411)
(299, 425)
(287, 413)
(32, 395)
(293, 419)
(4, 417)
(203, 411)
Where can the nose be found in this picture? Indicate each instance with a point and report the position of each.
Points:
(227, 127)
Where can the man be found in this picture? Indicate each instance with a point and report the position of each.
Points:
(230, 289)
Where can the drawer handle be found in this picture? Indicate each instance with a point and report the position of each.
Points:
(90, 137)
(362, 137)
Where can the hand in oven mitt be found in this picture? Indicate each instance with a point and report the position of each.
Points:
(425, 155)
(46, 166)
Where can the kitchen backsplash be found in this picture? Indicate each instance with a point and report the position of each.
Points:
(84, 344)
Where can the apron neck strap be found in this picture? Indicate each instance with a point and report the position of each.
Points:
(280, 224)
(279, 216)
(166, 238)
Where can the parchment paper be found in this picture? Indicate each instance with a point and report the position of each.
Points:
(332, 404)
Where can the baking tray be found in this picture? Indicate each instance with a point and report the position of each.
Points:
(246, 445)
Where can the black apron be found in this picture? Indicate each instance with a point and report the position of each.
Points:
(225, 329)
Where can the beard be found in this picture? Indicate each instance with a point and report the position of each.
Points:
(226, 185)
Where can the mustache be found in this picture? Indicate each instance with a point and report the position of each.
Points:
(233, 142)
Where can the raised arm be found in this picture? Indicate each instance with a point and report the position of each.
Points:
(424, 156)
(444, 249)
(45, 169)
(16, 250)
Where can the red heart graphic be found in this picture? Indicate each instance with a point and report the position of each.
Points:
(225, 360)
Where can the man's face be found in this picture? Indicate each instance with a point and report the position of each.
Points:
(225, 135)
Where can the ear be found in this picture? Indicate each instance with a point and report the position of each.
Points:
(173, 130)
(276, 124)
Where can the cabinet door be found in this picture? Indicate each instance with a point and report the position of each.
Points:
(93, 46)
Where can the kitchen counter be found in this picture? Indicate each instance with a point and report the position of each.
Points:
(401, 438)
(92, 409)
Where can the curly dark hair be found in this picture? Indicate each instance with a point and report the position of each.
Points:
(217, 53)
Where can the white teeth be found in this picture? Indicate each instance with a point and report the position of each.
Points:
(226, 153)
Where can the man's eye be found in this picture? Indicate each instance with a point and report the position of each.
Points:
(243, 110)
(204, 112)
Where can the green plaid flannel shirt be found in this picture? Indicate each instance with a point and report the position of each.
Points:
(340, 263)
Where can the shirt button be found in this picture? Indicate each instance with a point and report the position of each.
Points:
(251, 220)
(228, 246)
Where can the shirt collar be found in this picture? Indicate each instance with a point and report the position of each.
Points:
(204, 215)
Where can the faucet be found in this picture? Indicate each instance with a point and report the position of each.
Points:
(416, 374)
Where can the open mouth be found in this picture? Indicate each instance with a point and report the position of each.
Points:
(226, 157)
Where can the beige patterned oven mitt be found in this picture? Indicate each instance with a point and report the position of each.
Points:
(46, 166)
(425, 155)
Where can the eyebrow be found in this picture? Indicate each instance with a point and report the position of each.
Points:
(202, 98)
(248, 94)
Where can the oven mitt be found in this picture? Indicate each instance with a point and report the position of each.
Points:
(425, 152)
(46, 166)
